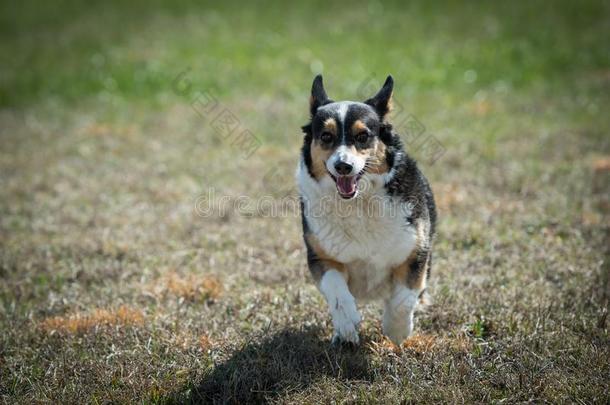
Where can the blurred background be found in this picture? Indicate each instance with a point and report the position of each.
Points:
(121, 124)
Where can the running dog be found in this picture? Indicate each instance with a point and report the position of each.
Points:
(367, 210)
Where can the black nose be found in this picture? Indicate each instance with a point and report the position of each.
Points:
(343, 168)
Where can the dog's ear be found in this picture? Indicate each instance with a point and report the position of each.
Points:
(318, 95)
(382, 101)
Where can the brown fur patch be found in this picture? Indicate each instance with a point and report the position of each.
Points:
(375, 158)
(330, 125)
(319, 156)
(378, 162)
(402, 274)
(326, 262)
(358, 127)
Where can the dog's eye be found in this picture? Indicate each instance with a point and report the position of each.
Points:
(362, 137)
(326, 137)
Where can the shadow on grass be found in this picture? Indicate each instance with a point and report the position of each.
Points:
(288, 361)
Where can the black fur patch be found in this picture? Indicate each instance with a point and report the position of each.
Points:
(306, 149)
(381, 101)
(410, 184)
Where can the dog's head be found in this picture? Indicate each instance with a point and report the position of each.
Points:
(346, 139)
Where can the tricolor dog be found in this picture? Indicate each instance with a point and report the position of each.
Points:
(368, 213)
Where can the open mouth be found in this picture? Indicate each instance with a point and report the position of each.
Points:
(347, 186)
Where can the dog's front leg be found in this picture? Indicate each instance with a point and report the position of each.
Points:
(342, 306)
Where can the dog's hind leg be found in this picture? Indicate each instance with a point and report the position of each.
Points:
(409, 281)
(398, 313)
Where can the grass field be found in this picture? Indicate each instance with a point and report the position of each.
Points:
(115, 287)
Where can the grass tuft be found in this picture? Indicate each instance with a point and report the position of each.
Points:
(79, 323)
(192, 287)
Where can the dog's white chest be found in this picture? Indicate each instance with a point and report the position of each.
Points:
(369, 234)
(382, 239)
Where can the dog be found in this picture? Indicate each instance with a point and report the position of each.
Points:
(368, 213)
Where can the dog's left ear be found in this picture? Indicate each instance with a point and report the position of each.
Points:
(382, 101)
(318, 95)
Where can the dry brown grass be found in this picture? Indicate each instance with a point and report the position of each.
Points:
(191, 287)
(421, 343)
(83, 322)
(602, 165)
(449, 195)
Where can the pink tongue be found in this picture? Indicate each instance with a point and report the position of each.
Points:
(346, 184)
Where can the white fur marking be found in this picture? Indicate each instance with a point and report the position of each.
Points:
(343, 154)
(342, 306)
(342, 108)
(398, 313)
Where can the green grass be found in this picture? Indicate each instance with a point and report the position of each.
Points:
(114, 289)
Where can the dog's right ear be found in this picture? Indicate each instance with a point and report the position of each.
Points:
(318, 95)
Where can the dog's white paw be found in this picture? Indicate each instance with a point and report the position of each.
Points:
(346, 321)
(342, 307)
(398, 329)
